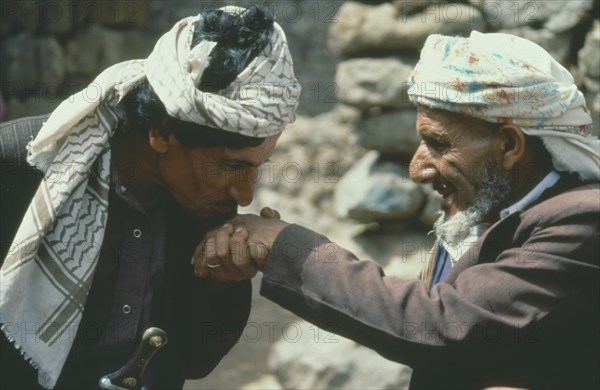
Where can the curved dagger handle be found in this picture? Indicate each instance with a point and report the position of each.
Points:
(129, 377)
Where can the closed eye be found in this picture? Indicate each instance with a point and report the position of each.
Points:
(239, 165)
(235, 165)
(434, 143)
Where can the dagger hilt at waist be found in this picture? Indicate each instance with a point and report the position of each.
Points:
(130, 376)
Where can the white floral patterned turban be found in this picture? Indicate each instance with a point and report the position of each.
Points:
(503, 78)
(48, 272)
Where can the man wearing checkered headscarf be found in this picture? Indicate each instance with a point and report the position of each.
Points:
(135, 167)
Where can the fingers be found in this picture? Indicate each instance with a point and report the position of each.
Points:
(222, 241)
(240, 255)
(268, 212)
(223, 255)
(259, 253)
(207, 254)
(201, 268)
(228, 254)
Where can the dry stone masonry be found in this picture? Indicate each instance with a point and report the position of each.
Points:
(51, 49)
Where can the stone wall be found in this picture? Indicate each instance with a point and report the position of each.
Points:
(51, 49)
(380, 41)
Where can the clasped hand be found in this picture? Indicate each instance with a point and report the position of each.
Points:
(238, 249)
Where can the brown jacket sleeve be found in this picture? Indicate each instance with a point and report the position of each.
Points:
(532, 266)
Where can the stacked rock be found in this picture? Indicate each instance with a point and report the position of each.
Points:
(52, 49)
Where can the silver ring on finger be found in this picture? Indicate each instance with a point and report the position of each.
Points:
(213, 265)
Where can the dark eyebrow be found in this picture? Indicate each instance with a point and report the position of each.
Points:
(433, 136)
(247, 163)
(438, 142)
(244, 162)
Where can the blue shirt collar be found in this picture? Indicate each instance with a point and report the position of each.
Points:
(547, 182)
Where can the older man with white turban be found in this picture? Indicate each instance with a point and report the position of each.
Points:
(511, 294)
(103, 207)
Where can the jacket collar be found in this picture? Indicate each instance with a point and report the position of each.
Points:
(486, 249)
(533, 195)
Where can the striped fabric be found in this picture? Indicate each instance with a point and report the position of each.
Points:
(14, 131)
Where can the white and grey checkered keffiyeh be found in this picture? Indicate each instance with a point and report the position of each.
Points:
(48, 272)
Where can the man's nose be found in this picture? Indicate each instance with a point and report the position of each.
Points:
(242, 189)
(422, 169)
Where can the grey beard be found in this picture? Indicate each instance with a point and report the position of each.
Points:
(494, 188)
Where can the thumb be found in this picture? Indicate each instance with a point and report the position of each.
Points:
(270, 213)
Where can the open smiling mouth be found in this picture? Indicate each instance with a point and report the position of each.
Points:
(444, 189)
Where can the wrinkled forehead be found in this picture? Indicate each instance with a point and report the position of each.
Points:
(454, 122)
(443, 117)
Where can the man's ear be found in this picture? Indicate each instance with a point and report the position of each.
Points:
(513, 145)
(158, 141)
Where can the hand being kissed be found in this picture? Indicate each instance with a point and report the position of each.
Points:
(238, 249)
